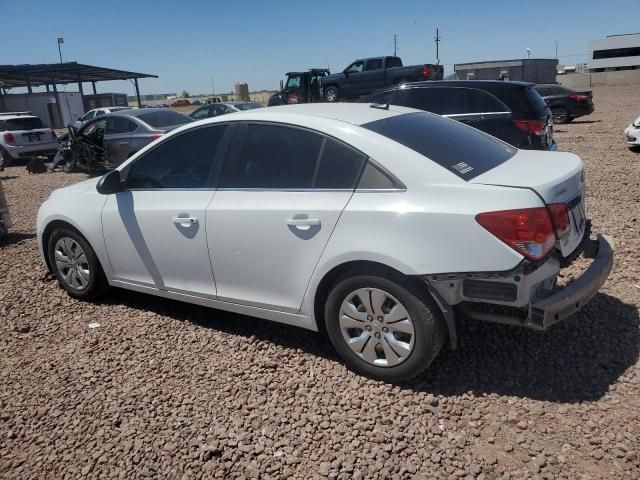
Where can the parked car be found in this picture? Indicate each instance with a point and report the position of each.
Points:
(632, 132)
(376, 223)
(162, 105)
(511, 111)
(23, 136)
(566, 104)
(197, 102)
(300, 87)
(183, 102)
(107, 141)
(369, 74)
(215, 109)
(96, 112)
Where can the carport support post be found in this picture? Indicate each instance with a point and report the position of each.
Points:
(94, 88)
(81, 94)
(29, 89)
(47, 86)
(58, 106)
(135, 81)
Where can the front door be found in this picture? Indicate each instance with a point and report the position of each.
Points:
(277, 205)
(155, 229)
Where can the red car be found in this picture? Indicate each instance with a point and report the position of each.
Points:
(180, 103)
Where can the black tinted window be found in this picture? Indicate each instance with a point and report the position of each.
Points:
(164, 118)
(20, 123)
(247, 106)
(374, 64)
(440, 100)
(480, 101)
(120, 125)
(393, 62)
(184, 161)
(340, 166)
(462, 150)
(272, 156)
(374, 178)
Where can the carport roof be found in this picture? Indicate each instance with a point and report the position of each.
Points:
(12, 76)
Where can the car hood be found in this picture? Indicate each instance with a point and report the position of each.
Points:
(79, 187)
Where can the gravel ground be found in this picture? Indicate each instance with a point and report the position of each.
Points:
(168, 390)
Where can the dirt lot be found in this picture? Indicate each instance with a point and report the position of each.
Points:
(167, 390)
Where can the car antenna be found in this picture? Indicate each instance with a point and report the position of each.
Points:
(381, 106)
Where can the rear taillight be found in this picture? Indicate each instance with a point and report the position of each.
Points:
(53, 134)
(560, 218)
(531, 127)
(426, 71)
(529, 231)
(9, 138)
(580, 98)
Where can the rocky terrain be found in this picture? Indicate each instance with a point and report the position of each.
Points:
(167, 390)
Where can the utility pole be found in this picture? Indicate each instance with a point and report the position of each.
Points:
(60, 42)
(556, 48)
(395, 44)
(437, 39)
(213, 91)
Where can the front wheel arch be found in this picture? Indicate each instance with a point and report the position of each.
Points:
(46, 235)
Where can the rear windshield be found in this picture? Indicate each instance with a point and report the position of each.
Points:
(464, 151)
(536, 99)
(520, 100)
(247, 106)
(22, 123)
(164, 118)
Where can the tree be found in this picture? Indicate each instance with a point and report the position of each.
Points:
(185, 94)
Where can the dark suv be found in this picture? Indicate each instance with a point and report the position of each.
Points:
(566, 104)
(511, 111)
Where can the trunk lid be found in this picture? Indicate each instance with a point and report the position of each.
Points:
(556, 177)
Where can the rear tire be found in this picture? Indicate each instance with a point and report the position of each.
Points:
(5, 159)
(560, 115)
(75, 264)
(383, 326)
(331, 93)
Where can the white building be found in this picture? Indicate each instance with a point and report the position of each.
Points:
(616, 52)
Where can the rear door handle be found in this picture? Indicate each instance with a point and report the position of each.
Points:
(303, 222)
(181, 220)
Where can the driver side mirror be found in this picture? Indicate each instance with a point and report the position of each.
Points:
(110, 183)
(281, 85)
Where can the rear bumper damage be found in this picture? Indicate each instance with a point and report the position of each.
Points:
(526, 297)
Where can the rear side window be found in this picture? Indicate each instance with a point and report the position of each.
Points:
(441, 100)
(374, 64)
(464, 151)
(393, 62)
(120, 125)
(20, 123)
(340, 166)
(184, 161)
(164, 118)
(535, 99)
(273, 156)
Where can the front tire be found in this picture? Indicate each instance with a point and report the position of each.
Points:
(560, 115)
(75, 264)
(331, 93)
(383, 326)
(5, 159)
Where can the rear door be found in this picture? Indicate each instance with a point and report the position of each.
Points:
(117, 138)
(374, 75)
(277, 204)
(354, 78)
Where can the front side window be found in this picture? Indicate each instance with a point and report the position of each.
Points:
(201, 113)
(293, 81)
(95, 128)
(273, 156)
(462, 150)
(184, 161)
(119, 125)
(355, 67)
(88, 116)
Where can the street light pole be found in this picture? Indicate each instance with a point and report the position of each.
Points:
(213, 90)
(60, 42)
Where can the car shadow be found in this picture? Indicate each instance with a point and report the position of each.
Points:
(574, 361)
(585, 121)
(8, 177)
(15, 237)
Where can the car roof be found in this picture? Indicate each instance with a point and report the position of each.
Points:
(354, 113)
(13, 117)
(462, 83)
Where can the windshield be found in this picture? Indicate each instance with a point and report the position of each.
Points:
(247, 106)
(20, 123)
(293, 81)
(464, 151)
(164, 118)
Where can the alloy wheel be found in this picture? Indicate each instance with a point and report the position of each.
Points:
(560, 115)
(377, 327)
(331, 95)
(72, 263)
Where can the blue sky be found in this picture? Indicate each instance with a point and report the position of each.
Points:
(186, 43)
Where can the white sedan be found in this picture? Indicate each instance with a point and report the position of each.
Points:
(375, 223)
(632, 132)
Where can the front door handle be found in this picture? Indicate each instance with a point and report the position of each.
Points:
(182, 220)
(303, 222)
(124, 143)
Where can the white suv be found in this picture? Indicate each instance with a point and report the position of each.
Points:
(23, 136)
(376, 224)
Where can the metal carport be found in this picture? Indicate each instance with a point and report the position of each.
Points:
(50, 74)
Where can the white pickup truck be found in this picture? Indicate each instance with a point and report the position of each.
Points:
(22, 136)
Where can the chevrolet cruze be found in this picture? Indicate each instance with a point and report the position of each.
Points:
(377, 224)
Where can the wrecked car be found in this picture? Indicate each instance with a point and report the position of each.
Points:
(109, 140)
